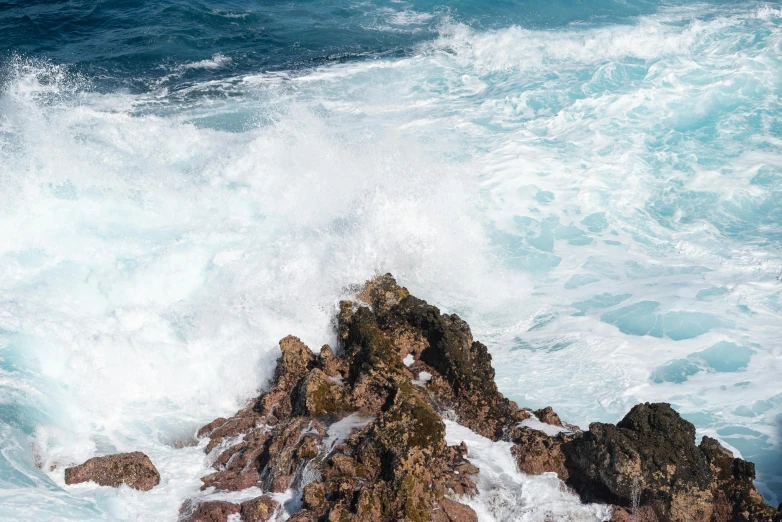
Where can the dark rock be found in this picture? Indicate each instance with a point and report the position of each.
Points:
(132, 469)
(445, 344)
(649, 460)
(398, 466)
(733, 488)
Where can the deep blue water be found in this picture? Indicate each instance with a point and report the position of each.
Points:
(135, 44)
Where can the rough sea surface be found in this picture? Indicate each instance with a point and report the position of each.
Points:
(596, 187)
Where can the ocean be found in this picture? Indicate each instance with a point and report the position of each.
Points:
(596, 187)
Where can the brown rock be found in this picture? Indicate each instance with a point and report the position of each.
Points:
(537, 453)
(548, 416)
(457, 512)
(396, 465)
(133, 469)
(315, 395)
(467, 469)
(314, 495)
(292, 365)
(303, 516)
(638, 514)
(382, 293)
(329, 363)
(258, 509)
(209, 428)
(281, 483)
(210, 511)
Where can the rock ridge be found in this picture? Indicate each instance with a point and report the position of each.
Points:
(356, 434)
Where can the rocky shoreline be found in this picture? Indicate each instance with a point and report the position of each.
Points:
(356, 433)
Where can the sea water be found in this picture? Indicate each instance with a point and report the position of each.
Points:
(595, 187)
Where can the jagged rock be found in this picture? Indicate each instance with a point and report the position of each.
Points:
(445, 344)
(734, 491)
(382, 293)
(650, 460)
(294, 362)
(132, 469)
(330, 364)
(549, 416)
(314, 496)
(358, 434)
(315, 395)
(536, 453)
(397, 465)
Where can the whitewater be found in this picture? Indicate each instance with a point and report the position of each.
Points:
(600, 201)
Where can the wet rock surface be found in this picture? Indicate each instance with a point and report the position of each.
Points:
(355, 434)
(649, 460)
(259, 509)
(132, 469)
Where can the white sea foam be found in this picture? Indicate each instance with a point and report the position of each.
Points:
(505, 495)
(216, 62)
(549, 429)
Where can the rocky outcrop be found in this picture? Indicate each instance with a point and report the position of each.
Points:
(356, 433)
(132, 469)
(649, 461)
(350, 433)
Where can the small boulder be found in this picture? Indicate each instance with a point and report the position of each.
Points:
(132, 469)
(210, 511)
(314, 496)
(549, 416)
(455, 512)
(537, 453)
(258, 509)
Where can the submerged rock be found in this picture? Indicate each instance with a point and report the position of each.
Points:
(355, 434)
(132, 469)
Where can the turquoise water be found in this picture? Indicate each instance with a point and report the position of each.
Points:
(596, 188)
